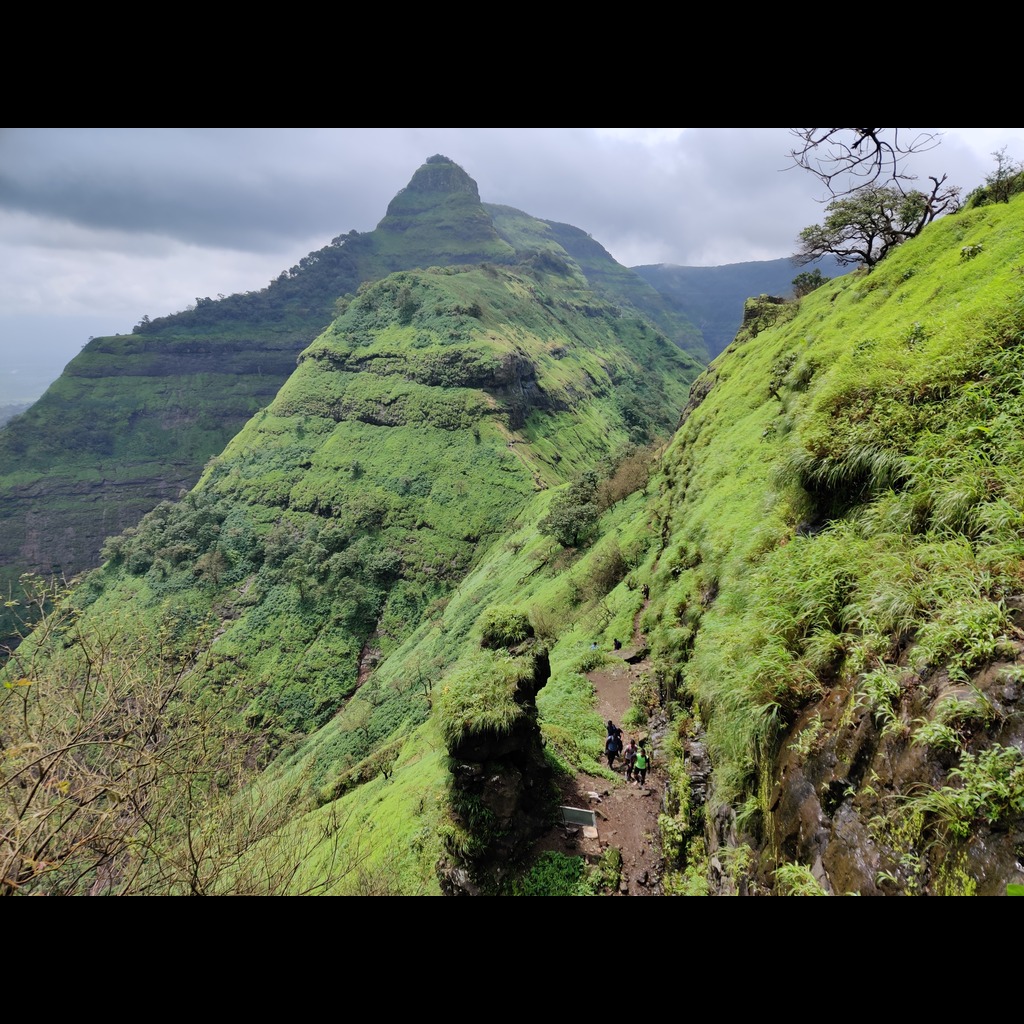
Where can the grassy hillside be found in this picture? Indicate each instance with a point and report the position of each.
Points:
(353, 659)
(134, 418)
(610, 279)
(836, 598)
(280, 596)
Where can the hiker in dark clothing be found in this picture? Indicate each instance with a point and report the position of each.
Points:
(612, 746)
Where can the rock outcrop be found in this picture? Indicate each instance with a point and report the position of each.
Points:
(502, 792)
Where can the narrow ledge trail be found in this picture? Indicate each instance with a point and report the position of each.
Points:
(627, 814)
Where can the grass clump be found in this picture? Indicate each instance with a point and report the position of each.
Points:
(554, 874)
(988, 786)
(502, 626)
(797, 880)
(480, 697)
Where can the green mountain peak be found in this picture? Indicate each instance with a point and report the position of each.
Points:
(438, 219)
(441, 176)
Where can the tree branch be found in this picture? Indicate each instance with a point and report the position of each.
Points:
(846, 159)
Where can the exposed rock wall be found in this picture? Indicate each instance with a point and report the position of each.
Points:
(502, 790)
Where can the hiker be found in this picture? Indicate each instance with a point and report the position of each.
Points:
(613, 745)
(640, 764)
(629, 756)
(614, 730)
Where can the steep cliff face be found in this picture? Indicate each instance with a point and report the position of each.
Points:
(127, 425)
(834, 805)
(838, 587)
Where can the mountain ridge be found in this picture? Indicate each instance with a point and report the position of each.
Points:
(376, 613)
(133, 418)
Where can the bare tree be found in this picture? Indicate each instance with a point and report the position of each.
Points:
(847, 159)
(121, 774)
(872, 206)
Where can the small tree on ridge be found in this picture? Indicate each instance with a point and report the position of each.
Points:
(864, 226)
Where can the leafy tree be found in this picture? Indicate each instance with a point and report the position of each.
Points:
(574, 512)
(872, 209)
(807, 282)
(865, 225)
(1003, 183)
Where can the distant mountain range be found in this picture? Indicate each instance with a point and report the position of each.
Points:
(713, 297)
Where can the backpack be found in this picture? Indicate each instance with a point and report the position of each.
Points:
(613, 744)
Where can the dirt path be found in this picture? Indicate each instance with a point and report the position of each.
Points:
(627, 814)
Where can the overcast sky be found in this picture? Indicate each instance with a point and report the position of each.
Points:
(100, 226)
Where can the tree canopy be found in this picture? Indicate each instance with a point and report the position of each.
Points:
(862, 227)
(573, 512)
(872, 209)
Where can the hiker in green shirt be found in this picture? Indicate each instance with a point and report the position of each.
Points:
(640, 765)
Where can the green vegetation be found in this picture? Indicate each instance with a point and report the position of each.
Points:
(503, 626)
(865, 226)
(481, 696)
(987, 787)
(135, 417)
(797, 880)
(121, 776)
(311, 582)
(840, 518)
(807, 281)
(554, 874)
(401, 569)
(573, 513)
(1006, 181)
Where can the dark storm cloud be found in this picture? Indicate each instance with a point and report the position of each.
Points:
(259, 189)
(689, 196)
(117, 223)
(246, 189)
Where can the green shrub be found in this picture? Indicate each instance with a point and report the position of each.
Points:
(503, 626)
(989, 787)
(807, 282)
(554, 874)
(607, 873)
(481, 697)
